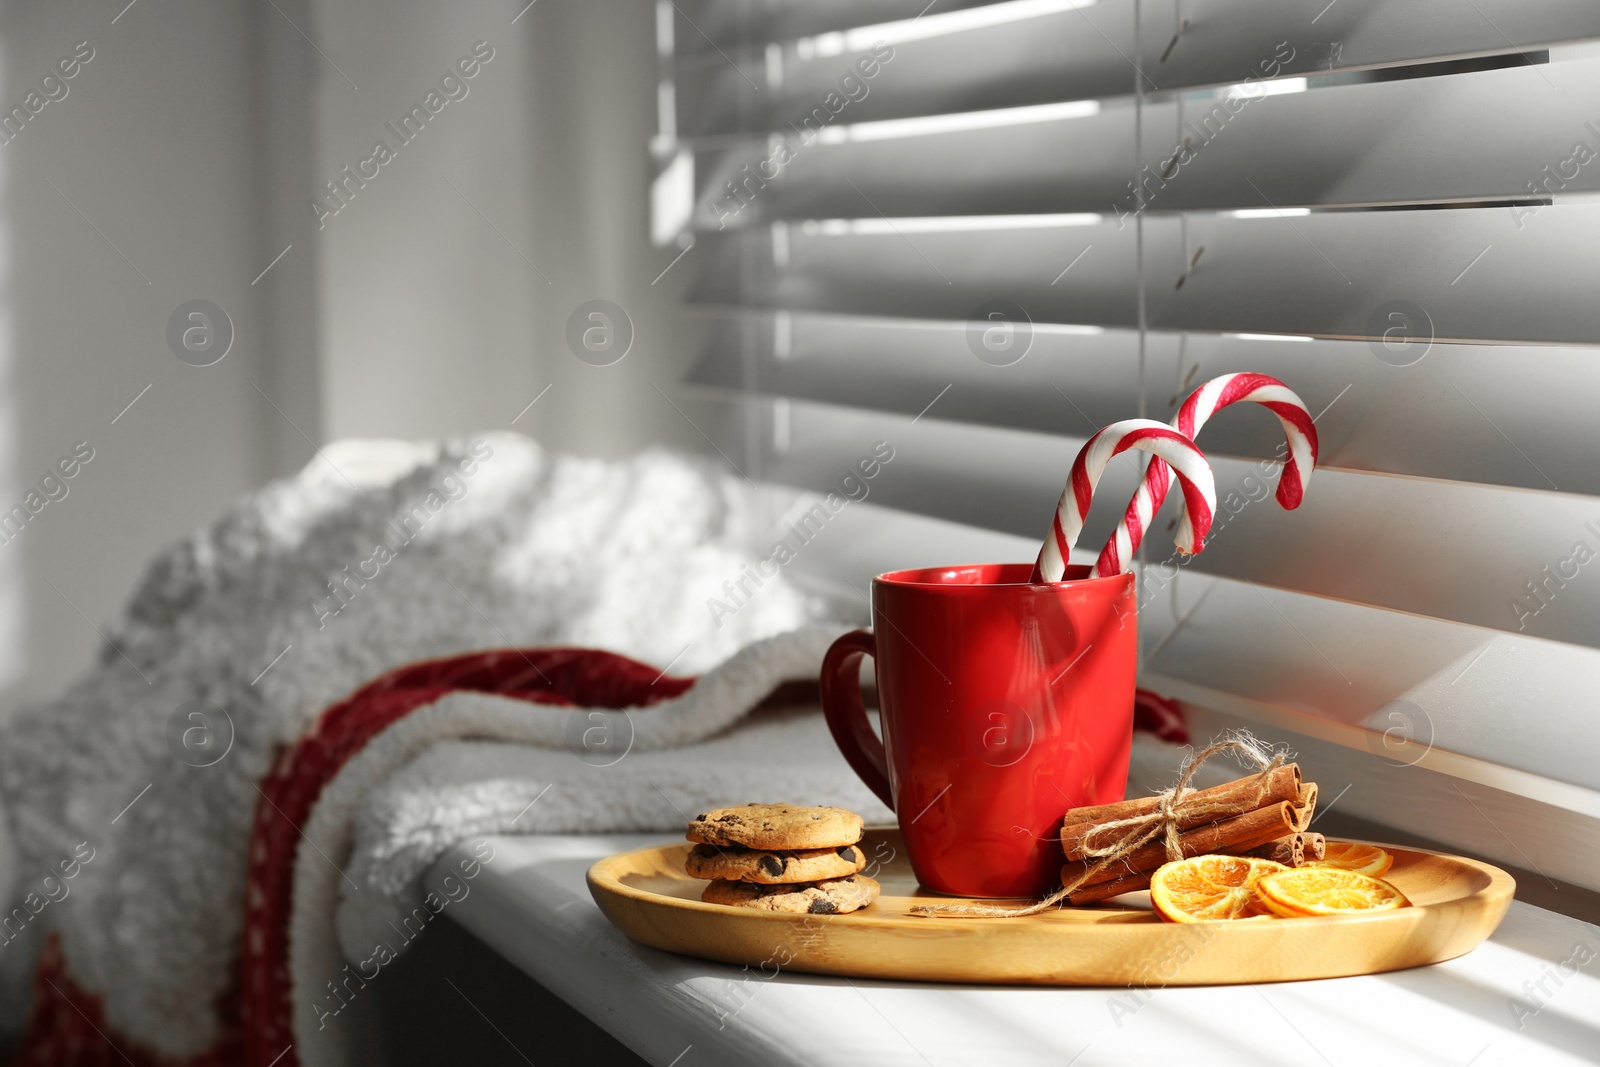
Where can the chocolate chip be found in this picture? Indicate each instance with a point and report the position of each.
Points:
(848, 852)
(822, 907)
(771, 864)
(700, 818)
(728, 818)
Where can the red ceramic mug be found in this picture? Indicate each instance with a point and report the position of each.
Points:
(1002, 702)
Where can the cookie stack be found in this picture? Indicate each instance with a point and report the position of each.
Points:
(779, 857)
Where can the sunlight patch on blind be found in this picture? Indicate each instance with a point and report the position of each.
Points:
(887, 129)
(823, 45)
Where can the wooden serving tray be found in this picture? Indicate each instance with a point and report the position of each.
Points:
(1458, 903)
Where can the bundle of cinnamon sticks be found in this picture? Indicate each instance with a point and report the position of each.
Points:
(1246, 817)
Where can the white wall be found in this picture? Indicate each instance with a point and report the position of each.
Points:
(160, 146)
(434, 323)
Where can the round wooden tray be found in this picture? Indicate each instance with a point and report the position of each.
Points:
(1458, 903)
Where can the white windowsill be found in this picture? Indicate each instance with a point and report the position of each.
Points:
(531, 905)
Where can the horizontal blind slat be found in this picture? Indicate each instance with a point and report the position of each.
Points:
(1062, 165)
(1514, 275)
(1223, 37)
(1448, 416)
(1065, 55)
(897, 270)
(1226, 40)
(1391, 143)
(705, 25)
(1517, 276)
(1086, 53)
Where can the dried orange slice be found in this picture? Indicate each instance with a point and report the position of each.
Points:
(1351, 856)
(1203, 888)
(1306, 891)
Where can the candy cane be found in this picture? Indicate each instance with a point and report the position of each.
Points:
(1146, 435)
(1204, 402)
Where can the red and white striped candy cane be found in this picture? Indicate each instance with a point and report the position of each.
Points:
(1213, 396)
(1146, 435)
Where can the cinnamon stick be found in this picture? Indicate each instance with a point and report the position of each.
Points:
(1303, 848)
(1289, 850)
(1282, 785)
(1305, 807)
(1292, 850)
(1128, 883)
(1237, 834)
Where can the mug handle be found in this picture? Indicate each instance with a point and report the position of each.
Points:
(847, 715)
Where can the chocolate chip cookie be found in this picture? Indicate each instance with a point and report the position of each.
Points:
(784, 827)
(834, 896)
(770, 867)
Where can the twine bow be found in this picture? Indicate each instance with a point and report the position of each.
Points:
(1121, 837)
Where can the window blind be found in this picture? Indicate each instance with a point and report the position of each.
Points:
(1389, 204)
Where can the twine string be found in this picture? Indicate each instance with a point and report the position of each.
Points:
(1110, 842)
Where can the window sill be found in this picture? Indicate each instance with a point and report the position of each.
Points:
(531, 904)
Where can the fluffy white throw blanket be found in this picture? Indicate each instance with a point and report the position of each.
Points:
(379, 554)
